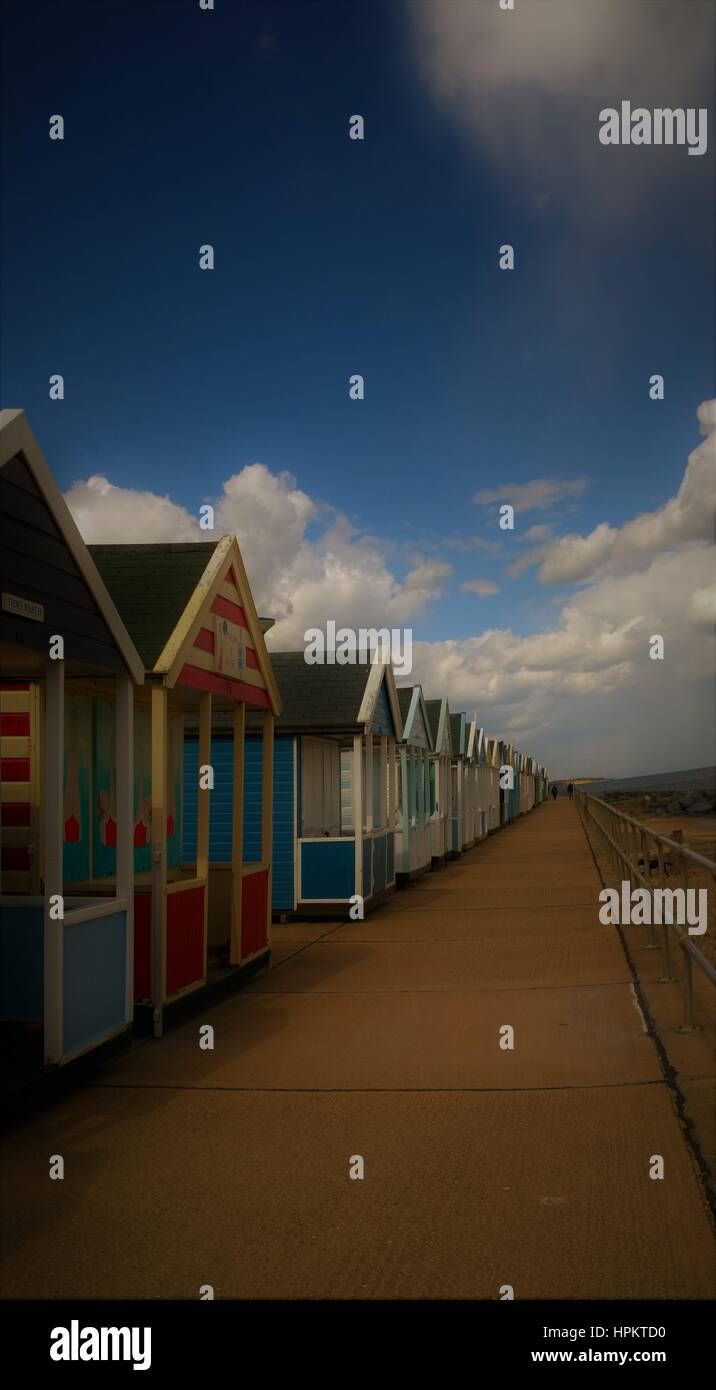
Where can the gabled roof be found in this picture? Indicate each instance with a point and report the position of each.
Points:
(151, 586)
(170, 596)
(411, 700)
(17, 440)
(439, 716)
(331, 699)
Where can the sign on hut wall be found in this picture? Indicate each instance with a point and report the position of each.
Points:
(229, 647)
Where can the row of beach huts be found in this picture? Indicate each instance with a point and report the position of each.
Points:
(169, 789)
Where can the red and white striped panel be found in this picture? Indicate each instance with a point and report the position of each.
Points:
(201, 672)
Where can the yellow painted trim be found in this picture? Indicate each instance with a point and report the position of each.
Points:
(179, 650)
(181, 884)
(181, 641)
(160, 731)
(14, 701)
(237, 832)
(14, 746)
(15, 791)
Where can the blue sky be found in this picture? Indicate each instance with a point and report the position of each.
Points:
(336, 256)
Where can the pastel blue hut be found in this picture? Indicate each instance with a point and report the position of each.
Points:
(334, 786)
(65, 961)
(413, 855)
(440, 779)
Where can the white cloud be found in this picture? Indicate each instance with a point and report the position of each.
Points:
(525, 88)
(535, 495)
(106, 513)
(482, 587)
(582, 696)
(688, 516)
(342, 574)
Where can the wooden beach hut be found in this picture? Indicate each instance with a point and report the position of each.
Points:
(413, 854)
(65, 961)
(527, 785)
(458, 784)
(191, 615)
(470, 787)
(334, 815)
(492, 763)
(505, 760)
(479, 782)
(440, 779)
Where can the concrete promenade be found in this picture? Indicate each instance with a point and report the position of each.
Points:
(483, 1167)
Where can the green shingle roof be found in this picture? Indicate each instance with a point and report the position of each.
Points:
(150, 586)
(318, 697)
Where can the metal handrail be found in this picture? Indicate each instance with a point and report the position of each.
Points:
(627, 846)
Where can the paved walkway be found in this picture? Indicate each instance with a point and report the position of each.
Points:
(483, 1166)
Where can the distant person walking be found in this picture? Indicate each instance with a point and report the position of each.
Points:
(570, 791)
(555, 791)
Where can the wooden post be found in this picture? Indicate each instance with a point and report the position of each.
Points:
(54, 771)
(404, 810)
(237, 833)
(204, 810)
(204, 795)
(358, 810)
(160, 734)
(384, 799)
(368, 782)
(267, 734)
(35, 847)
(124, 754)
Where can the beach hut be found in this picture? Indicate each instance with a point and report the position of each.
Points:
(65, 961)
(413, 854)
(191, 614)
(440, 779)
(470, 819)
(492, 761)
(458, 787)
(334, 815)
(528, 785)
(480, 777)
(507, 794)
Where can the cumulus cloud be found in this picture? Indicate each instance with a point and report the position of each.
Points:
(583, 695)
(688, 516)
(525, 88)
(300, 582)
(535, 495)
(105, 513)
(482, 587)
(592, 673)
